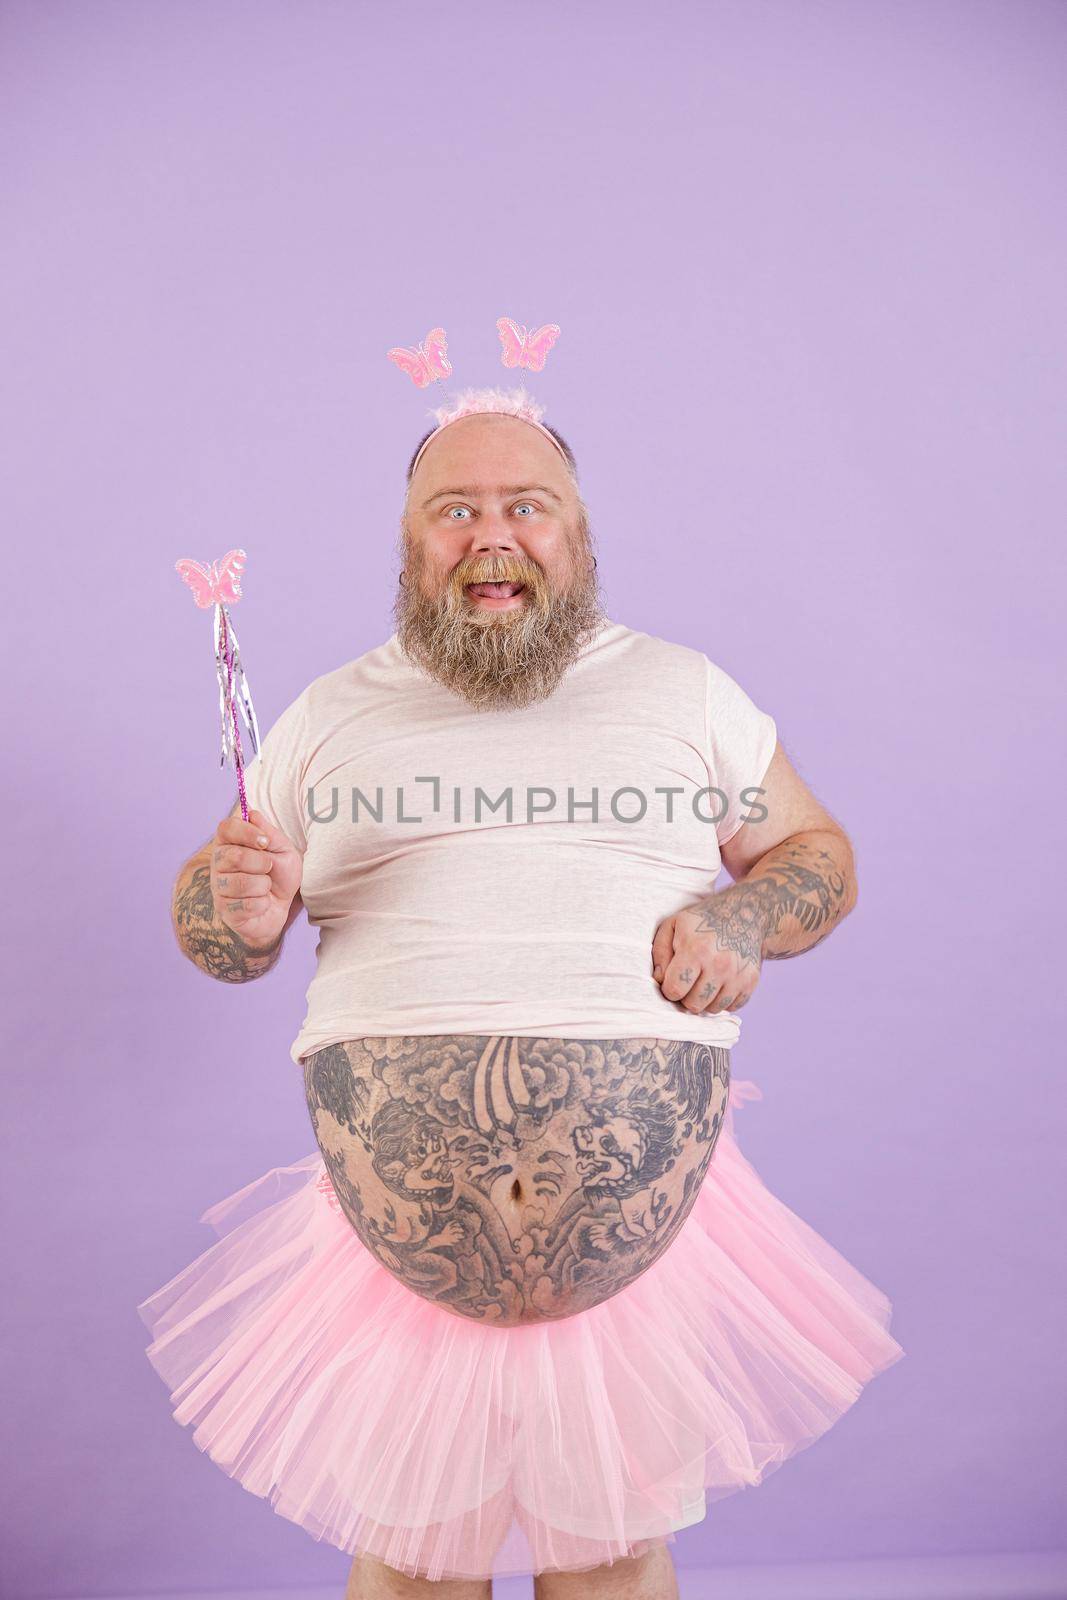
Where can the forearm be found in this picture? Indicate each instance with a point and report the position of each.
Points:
(207, 941)
(799, 891)
(788, 901)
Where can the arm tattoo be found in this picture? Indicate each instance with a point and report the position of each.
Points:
(209, 943)
(514, 1180)
(800, 880)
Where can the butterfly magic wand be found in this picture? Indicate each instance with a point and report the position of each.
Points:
(219, 585)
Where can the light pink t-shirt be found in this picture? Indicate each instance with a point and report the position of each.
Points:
(454, 864)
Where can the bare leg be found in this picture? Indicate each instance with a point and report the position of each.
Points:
(371, 1579)
(647, 1577)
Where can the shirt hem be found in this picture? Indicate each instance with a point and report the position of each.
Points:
(633, 1029)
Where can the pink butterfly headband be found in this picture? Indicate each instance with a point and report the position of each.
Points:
(520, 348)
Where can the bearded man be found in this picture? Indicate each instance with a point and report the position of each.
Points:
(506, 822)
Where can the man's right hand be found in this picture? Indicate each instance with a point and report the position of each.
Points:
(253, 885)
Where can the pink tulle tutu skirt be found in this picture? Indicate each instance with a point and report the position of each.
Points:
(451, 1449)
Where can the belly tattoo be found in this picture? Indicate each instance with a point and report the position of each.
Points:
(515, 1180)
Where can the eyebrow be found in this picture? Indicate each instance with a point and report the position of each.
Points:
(469, 492)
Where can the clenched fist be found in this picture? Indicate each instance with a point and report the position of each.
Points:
(708, 956)
(253, 885)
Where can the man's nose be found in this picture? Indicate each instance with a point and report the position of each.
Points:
(493, 536)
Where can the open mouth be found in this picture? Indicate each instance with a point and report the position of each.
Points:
(495, 591)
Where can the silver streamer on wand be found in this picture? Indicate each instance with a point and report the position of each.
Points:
(234, 691)
(219, 584)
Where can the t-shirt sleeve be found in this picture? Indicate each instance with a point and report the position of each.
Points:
(740, 742)
(274, 778)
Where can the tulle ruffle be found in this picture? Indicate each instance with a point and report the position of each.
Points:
(383, 1424)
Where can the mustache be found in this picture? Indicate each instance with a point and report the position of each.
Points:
(497, 569)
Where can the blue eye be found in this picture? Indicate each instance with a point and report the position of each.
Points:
(527, 503)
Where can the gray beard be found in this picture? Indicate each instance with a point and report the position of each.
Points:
(497, 659)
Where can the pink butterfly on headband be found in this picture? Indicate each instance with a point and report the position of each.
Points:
(216, 585)
(525, 349)
(427, 362)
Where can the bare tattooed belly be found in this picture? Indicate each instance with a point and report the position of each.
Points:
(514, 1180)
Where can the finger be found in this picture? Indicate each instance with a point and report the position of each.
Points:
(233, 830)
(242, 914)
(662, 948)
(730, 1002)
(681, 974)
(239, 858)
(703, 993)
(243, 885)
(254, 904)
(702, 996)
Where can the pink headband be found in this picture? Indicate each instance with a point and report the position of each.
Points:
(503, 402)
(521, 347)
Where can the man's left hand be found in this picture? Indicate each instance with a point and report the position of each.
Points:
(708, 956)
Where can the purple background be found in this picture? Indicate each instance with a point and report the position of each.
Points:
(808, 260)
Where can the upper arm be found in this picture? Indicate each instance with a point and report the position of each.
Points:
(791, 808)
